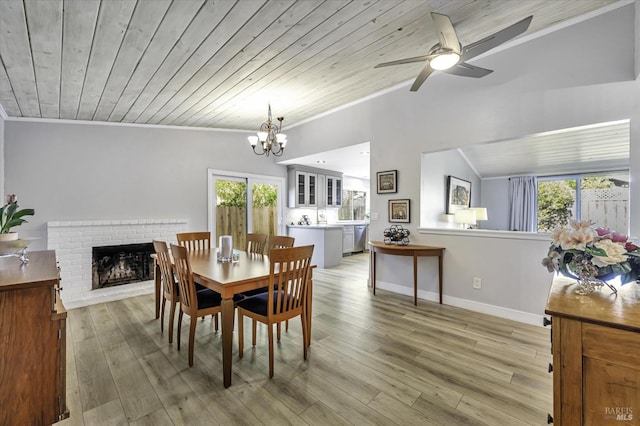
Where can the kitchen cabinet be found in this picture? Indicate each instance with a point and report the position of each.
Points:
(311, 187)
(595, 342)
(33, 336)
(303, 189)
(327, 241)
(347, 239)
(333, 191)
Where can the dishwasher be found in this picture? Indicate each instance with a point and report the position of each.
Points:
(359, 236)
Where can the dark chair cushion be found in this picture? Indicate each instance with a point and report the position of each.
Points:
(253, 292)
(208, 298)
(200, 287)
(258, 303)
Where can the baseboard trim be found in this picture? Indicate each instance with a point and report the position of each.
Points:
(472, 305)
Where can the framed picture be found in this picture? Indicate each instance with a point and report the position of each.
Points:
(458, 194)
(387, 181)
(399, 211)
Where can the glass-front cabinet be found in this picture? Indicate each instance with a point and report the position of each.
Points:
(311, 187)
(304, 191)
(334, 191)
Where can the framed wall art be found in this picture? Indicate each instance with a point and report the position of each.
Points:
(387, 181)
(399, 211)
(458, 194)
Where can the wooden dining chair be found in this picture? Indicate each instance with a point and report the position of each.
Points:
(289, 276)
(280, 241)
(256, 243)
(195, 240)
(170, 291)
(193, 303)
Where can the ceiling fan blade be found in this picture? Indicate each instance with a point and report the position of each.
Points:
(446, 33)
(466, 70)
(403, 61)
(474, 49)
(426, 72)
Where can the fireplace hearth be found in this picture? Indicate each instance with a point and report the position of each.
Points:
(121, 264)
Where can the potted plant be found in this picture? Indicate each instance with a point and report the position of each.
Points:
(10, 216)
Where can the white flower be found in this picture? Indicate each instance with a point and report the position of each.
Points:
(615, 253)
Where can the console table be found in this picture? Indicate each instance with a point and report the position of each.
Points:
(378, 247)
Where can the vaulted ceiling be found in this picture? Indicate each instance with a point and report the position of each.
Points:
(218, 63)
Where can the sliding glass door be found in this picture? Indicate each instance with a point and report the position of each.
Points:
(242, 203)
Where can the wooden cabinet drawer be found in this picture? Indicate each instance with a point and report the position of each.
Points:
(611, 344)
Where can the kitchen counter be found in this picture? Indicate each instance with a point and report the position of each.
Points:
(327, 240)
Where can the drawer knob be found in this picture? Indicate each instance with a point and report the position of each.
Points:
(546, 321)
(550, 369)
(549, 419)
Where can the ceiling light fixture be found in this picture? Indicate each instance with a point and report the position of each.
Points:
(271, 139)
(444, 60)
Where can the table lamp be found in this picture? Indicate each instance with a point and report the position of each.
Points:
(465, 217)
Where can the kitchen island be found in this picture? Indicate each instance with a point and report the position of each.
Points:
(327, 240)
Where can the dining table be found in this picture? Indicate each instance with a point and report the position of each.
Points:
(249, 272)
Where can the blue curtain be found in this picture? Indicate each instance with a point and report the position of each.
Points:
(523, 197)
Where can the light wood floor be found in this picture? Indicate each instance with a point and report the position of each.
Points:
(373, 360)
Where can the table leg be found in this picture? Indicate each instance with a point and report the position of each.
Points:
(415, 279)
(157, 278)
(373, 269)
(227, 339)
(440, 275)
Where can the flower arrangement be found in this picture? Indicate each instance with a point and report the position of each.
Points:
(582, 252)
(10, 216)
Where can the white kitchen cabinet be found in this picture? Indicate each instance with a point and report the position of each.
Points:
(303, 189)
(311, 187)
(327, 241)
(347, 239)
(333, 191)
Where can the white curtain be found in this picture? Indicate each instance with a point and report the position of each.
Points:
(523, 197)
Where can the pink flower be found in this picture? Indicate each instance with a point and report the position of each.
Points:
(618, 238)
(603, 231)
(11, 198)
(630, 247)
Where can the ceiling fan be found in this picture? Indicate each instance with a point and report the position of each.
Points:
(449, 56)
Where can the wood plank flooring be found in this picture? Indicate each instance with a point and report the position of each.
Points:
(373, 360)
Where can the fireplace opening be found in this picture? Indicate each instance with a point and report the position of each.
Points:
(121, 264)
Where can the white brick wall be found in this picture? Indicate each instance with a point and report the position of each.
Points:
(73, 241)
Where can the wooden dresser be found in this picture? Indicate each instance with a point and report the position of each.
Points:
(32, 342)
(596, 355)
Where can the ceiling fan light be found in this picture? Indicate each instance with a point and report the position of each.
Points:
(444, 61)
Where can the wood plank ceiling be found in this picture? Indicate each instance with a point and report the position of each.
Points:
(218, 63)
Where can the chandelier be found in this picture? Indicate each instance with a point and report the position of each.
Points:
(270, 138)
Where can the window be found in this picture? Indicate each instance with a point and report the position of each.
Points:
(601, 198)
(354, 205)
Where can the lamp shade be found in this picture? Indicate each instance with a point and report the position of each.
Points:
(481, 213)
(466, 216)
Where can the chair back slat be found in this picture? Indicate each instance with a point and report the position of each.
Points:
(280, 241)
(256, 243)
(195, 241)
(289, 272)
(182, 267)
(166, 271)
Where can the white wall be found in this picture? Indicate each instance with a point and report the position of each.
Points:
(436, 167)
(88, 171)
(551, 82)
(2, 172)
(495, 196)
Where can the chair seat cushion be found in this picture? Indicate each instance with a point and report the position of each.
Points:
(258, 303)
(253, 292)
(208, 298)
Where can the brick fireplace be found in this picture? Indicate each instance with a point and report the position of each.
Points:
(74, 241)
